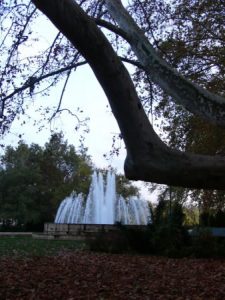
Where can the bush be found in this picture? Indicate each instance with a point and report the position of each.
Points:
(140, 240)
(204, 245)
(166, 236)
(216, 219)
(110, 242)
(125, 239)
(219, 219)
(169, 240)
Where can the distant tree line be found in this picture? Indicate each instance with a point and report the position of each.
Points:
(34, 180)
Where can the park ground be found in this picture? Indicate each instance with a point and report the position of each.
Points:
(64, 270)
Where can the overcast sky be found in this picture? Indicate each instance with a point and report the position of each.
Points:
(83, 91)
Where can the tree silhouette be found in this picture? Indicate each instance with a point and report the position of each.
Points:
(148, 158)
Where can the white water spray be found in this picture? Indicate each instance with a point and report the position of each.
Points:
(103, 205)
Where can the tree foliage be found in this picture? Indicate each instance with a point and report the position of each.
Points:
(195, 46)
(181, 63)
(125, 188)
(34, 180)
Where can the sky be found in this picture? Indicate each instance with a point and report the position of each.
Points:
(83, 92)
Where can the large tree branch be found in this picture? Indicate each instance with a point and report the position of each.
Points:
(194, 98)
(148, 158)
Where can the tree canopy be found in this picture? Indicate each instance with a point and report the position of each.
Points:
(34, 180)
(167, 45)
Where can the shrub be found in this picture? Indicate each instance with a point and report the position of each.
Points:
(140, 240)
(110, 242)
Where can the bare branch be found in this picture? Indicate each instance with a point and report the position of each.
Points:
(35, 80)
(49, 53)
(61, 96)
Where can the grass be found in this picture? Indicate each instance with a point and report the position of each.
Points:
(27, 246)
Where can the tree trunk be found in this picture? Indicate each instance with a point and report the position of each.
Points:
(148, 158)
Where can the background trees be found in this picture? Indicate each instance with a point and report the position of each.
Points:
(183, 44)
(34, 180)
(194, 45)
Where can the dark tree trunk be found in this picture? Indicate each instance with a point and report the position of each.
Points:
(148, 158)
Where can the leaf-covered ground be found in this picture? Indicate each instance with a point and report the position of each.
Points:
(86, 275)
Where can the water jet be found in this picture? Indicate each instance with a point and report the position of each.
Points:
(79, 217)
(103, 205)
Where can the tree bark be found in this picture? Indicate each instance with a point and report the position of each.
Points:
(148, 158)
(195, 99)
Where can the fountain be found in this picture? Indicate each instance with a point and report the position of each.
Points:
(80, 218)
(103, 205)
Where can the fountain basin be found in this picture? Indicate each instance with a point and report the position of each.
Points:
(79, 231)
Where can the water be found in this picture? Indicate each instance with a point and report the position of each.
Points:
(103, 205)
